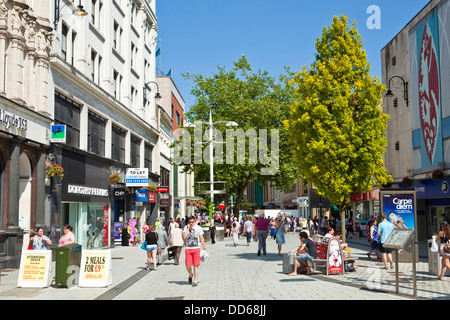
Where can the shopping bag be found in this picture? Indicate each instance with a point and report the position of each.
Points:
(434, 245)
(170, 253)
(144, 245)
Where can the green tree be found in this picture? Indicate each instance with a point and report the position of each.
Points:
(254, 100)
(337, 126)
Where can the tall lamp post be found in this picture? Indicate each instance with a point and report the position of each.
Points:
(211, 149)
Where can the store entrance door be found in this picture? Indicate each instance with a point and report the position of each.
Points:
(434, 219)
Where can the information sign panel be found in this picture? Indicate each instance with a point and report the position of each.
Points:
(95, 271)
(398, 238)
(35, 269)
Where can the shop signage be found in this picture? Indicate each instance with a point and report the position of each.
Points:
(335, 261)
(399, 207)
(105, 225)
(165, 202)
(151, 197)
(88, 191)
(95, 271)
(136, 177)
(303, 202)
(119, 193)
(12, 120)
(140, 195)
(58, 133)
(35, 269)
(163, 189)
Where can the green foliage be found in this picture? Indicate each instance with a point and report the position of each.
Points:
(254, 100)
(337, 125)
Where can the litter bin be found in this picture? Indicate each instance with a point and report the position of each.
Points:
(288, 262)
(220, 232)
(435, 262)
(68, 261)
(206, 234)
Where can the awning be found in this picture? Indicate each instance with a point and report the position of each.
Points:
(188, 198)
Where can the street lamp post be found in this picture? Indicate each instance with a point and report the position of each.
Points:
(211, 149)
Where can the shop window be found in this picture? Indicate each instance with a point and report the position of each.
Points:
(67, 113)
(96, 134)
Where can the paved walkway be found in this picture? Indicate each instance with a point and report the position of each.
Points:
(237, 273)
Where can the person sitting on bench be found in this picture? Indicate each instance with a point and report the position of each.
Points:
(303, 258)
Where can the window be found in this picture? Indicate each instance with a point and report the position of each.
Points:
(135, 151)
(93, 57)
(118, 144)
(165, 176)
(67, 112)
(64, 33)
(133, 48)
(148, 150)
(177, 118)
(116, 83)
(74, 36)
(116, 35)
(96, 134)
(93, 6)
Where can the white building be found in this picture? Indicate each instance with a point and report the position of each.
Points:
(102, 87)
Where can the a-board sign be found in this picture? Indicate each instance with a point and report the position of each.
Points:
(398, 238)
(95, 270)
(35, 269)
(335, 261)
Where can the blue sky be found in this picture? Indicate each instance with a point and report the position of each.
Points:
(199, 35)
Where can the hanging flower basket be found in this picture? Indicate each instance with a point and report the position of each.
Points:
(151, 188)
(114, 178)
(438, 174)
(55, 171)
(407, 181)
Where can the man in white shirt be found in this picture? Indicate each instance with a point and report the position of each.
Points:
(193, 236)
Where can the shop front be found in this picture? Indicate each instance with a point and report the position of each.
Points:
(82, 199)
(23, 145)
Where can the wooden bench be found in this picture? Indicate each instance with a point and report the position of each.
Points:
(323, 251)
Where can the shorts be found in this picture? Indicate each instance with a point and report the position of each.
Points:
(192, 257)
(384, 250)
(152, 247)
(304, 257)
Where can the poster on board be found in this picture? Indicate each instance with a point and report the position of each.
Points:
(399, 207)
(35, 269)
(335, 261)
(96, 269)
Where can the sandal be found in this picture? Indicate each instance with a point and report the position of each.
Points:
(368, 254)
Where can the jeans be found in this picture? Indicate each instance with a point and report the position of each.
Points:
(262, 235)
(249, 237)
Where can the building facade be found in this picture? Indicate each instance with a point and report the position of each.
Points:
(419, 129)
(25, 37)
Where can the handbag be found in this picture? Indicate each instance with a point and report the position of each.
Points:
(144, 245)
(170, 253)
(159, 249)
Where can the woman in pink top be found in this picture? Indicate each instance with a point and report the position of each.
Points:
(68, 237)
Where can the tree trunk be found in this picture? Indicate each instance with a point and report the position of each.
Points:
(240, 197)
(342, 212)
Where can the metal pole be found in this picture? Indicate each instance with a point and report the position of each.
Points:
(396, 271)
(211, 158)
(414, 264)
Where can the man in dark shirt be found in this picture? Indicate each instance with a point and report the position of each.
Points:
(303, 258)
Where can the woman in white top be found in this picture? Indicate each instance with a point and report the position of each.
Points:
(176, 241)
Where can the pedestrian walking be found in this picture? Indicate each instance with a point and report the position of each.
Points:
(280, 231)
(349, 227)
(374, 239)
(324, 225)
(212, 232)
(152, 246)
(357, 227)
(193, 236)
(40, 242)
(176, 242)
(262, 229)
(272, 228)
(235, 232)
(125, 235)
(248, 227)
(163, 241)
(384, 230)
(443, 236)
